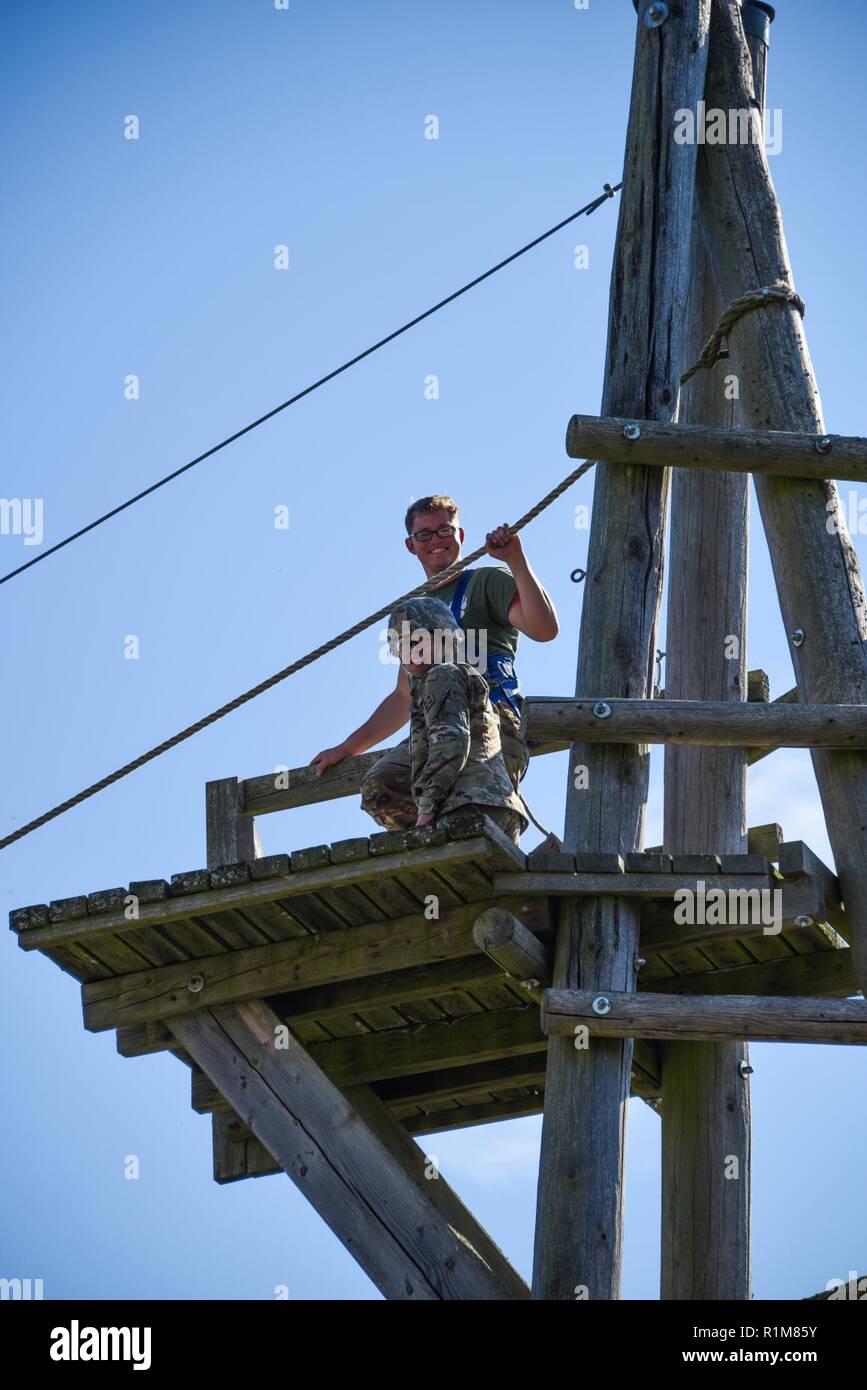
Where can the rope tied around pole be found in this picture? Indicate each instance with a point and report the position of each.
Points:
(744, 304)
(338, 641)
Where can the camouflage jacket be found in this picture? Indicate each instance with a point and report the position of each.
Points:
(455, 743)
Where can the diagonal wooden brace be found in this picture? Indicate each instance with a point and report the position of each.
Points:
(412, 1236)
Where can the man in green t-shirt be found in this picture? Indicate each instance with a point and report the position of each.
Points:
(493, 606)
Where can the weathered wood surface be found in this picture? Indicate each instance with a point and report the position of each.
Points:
(234, 976)
(273, 878)
(300, 786)
(778, 453)
(828, 972)
(715, 723)
(580, 1192)
(690, 1016)
(515, 949)
(761, 839)
(818, 577)
(231, 834)
(347, 1163)
(632, 885)
(705, 1110)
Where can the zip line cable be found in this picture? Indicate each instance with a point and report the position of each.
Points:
(254, 424)
(349, 632)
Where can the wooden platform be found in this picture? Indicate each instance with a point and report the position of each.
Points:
(365, 949)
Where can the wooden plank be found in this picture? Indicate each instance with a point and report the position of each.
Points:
(819, 973)
(299, 786)
(705, 1019)
(253, 973)
(713, 723)
(478, 1037)
(201, 902)
(329, 1001)
(465, 1116)
(774, 453)
(818, 577)
(231, 834)
(580, 1190)
(635, 885)
(362, 1186)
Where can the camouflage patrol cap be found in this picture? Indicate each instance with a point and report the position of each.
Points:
(427, 614)
(424, 630)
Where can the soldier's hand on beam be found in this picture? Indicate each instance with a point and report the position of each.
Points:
(327, 758)
(502, 544)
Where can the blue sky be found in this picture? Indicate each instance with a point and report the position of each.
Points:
(155, 257)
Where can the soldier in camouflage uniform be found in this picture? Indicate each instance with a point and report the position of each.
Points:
(494, 603)
(455, 752)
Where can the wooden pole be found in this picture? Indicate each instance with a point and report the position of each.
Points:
(706, 1127)
(348, 1161)
(580, 1192)
(232, 837)
(716, 722)
(699, 444)
(688, 1016)
(818, 577)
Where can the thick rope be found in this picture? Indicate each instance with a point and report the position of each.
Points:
(287, 671)
(744, 304)
(538, 824)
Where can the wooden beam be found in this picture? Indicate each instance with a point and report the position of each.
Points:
(775, 453)
(233, 976)
(716, 1018)
(632, 885)
(818, 577)
(515, 949)
(819, 973)
(714, 723)
(231, 833)
(300, 786)
(344, 1161)
(580, 1191)
(480, 1037)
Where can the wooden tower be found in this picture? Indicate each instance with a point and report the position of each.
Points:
(334, 1002)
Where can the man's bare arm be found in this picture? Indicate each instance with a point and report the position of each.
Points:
(387, 718)
(531, 610)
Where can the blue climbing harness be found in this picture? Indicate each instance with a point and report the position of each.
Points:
(500, 670)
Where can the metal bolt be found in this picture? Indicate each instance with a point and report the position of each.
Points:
(824, 445)
(577, 575)
(601, 1005)
(799, 637)
(631, 432)
(803, 921)
(656, 14)
(196, 983)
(638, 961)
(601, 709)
(745, 1069)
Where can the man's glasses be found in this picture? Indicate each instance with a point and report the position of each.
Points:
(444, 532)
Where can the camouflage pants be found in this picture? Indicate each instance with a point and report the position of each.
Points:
(386, 791)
